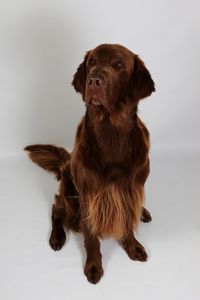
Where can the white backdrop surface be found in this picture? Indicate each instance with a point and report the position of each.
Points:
(41, 45)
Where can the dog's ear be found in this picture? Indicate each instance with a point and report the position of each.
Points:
(80, 76)
(141, 83)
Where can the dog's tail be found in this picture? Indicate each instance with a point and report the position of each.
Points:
(48, 157)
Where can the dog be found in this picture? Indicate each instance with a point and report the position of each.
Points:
(102, 180)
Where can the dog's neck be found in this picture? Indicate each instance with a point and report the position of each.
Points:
(111, 132)
(120, 119)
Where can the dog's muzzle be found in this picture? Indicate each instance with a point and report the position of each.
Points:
(95, 89)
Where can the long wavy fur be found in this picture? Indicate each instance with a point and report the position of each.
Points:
(114, 209)
(48, 157)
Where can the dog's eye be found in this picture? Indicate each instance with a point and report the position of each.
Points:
(92, 62)
(117, 65)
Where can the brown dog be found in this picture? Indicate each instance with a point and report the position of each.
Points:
(102, 180)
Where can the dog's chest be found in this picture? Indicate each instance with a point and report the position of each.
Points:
(106, 212)
(109, 206)
(112, 210)
(113, 144)
(114, 172)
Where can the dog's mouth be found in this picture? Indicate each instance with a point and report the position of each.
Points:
(94, 100)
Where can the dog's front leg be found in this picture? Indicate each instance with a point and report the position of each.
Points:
(93, 266)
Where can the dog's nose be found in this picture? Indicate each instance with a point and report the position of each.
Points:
(95, 81)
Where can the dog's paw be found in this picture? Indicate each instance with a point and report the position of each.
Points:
(93, 271)
(57, 238)
(146, 216)
(137, 252)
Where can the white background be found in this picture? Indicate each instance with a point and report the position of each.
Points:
(41, 45)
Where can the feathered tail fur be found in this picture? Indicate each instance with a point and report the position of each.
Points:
(48, 157)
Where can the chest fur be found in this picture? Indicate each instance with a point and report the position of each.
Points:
(104, 175)
(113, 210)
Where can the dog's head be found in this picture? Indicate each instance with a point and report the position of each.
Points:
(111, 74)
